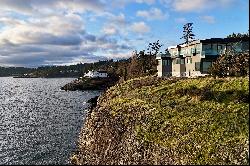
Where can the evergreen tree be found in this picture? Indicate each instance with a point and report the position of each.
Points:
(187, 32)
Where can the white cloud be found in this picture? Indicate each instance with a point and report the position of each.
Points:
(140, 27)
(119, 55)
(208, 19)
(119, 19)
(31, 7)
(110, 30)
(47, 30)
(60, 38)
(152, 14)
(196, 5)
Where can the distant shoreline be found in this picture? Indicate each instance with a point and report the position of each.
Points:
(36, 77)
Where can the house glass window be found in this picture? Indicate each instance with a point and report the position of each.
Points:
(182, 61)
(189, 60)
(169, 62)
(207, 46)
(166, 62)
(197, 66)
(178, 61)
(206, 66)
(198, 49)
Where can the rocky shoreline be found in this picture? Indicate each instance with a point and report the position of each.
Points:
(129, 125)
(90, 84)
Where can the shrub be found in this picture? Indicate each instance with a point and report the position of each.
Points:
(231, 64)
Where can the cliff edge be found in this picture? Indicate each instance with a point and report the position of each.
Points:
(151, 120)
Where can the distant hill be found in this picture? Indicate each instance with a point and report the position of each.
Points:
(64, 71)
(14, 71)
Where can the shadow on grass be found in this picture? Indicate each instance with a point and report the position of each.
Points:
(206, 93)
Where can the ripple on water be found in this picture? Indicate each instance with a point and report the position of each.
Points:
(39, 123)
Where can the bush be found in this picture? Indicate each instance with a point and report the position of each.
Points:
(231, 64)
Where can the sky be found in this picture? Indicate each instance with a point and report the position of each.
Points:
(63, 32)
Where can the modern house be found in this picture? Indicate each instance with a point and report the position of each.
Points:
(195, 58)
(95, 74)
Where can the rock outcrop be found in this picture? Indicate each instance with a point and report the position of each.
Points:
(90, 84)
(160, 122)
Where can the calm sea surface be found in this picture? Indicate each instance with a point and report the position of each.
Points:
(39, 123)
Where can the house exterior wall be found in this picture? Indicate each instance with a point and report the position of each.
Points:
(191, 65)
(195, 58)
(164, 66)
(159, 68)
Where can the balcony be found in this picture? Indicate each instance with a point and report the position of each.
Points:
(209, 52)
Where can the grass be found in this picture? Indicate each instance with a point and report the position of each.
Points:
(203, 120)
(177, 121)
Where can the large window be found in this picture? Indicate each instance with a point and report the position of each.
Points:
(182, 61)
(178, 61)
(166, 62)
(206, 66)
(207, 46)
(198, 49)
(189, 60)
(197, 66)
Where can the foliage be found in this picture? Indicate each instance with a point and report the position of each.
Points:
(144, 63)
(231, 64)
(77, 70)
(239, 35)
(8, 71)
(188, 32)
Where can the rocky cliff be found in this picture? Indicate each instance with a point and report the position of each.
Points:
(168, 121)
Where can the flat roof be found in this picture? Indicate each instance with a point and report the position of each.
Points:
(211, 40)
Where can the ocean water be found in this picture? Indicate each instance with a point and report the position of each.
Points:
(39, 123)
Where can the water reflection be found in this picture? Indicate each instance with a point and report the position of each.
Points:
(39, 123)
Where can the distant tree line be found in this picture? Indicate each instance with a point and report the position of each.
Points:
(9, 71)
(239, 35)
(141, 63)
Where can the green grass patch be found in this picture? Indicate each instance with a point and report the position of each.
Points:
(203, 120)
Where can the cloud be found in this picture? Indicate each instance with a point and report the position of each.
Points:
(31, 7)
(140, 27)
(196, 5)
(46, 54)
(119, 55)
(54, 39)
(181, 20)
(123, 3)
(208, 19)
(110, 30)
(152, 14)
(50, 30)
